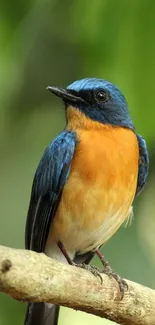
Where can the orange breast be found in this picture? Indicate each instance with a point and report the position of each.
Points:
(100, 190)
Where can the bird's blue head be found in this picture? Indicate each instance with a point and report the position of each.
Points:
(98, 99)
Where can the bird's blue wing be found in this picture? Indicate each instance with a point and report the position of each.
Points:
(50, 178)
(143, 164)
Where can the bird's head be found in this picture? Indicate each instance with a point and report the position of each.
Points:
(98, 100)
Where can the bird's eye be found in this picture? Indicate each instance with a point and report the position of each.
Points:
(101, 96)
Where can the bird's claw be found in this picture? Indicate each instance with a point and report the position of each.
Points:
(91, 268)
(121, 282)
(107, 270)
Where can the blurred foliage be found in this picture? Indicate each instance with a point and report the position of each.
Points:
(56, 42)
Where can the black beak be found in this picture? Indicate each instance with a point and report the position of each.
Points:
(65, 94)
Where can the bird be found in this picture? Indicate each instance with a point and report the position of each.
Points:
(85, 183)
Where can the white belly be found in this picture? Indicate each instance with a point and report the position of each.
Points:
(78, 240)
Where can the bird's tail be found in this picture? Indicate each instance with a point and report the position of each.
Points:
(41, 314)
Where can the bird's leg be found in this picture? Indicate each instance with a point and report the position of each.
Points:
(64, 252)
(93, 269)
(108, 270)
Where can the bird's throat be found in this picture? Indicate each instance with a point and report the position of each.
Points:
(78, 120)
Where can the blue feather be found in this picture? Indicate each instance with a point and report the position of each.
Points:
(143, 164)
(113, 111)
(51, 176)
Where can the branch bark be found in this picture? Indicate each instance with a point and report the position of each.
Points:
(29, 276)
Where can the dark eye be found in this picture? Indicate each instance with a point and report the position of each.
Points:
(101, 96)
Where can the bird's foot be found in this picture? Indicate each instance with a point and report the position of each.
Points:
(109, 271)
(91, 268)
(121, 282)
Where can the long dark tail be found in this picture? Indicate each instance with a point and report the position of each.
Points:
(41, 314)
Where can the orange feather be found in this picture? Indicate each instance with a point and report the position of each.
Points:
(98, 195)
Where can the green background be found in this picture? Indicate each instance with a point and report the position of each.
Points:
(57, 42)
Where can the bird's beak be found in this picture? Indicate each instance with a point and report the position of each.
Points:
(65, 94)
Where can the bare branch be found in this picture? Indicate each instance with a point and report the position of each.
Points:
(29, 276)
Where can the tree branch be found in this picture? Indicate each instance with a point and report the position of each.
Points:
(29, 276)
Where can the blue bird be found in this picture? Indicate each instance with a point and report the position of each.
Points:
(85, 183)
